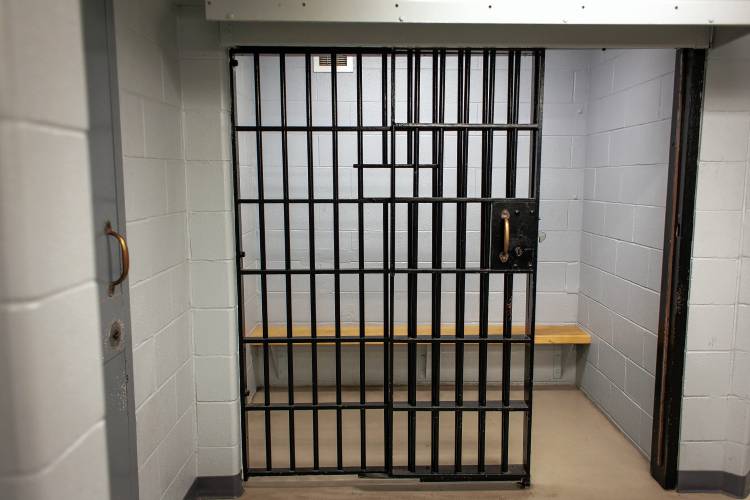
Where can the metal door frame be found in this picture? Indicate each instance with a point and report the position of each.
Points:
(687, 106)
(105, 155)
(490, 229)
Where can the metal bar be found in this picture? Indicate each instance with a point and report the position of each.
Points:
(513, 405)
(411, 302)
(422, 473)
(287, 259)
(465, 405)
(318, 406)
(322, 471)
(534, 178)
(465, 127)
(483, 279)
(262, 258)
(381, 200)
(407, 126)
(239, 254)
(438, 114)
(386, 275)
(511, 161)
(464, 82)
(312, 128)
(400, 270)
(361, 252)
(446, 339)
(445, 473)
(311, 240)
(392, 266)
(346, 339)
(488, 87)
(466, 339)
(385, 165)
(326, 49)
(336, 260)
(469, 473)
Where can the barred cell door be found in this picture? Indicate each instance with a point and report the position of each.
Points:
(386, 223)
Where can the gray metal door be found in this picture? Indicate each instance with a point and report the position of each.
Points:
(111, 249)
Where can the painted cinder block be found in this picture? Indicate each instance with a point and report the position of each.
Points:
(214, 331)
(707, 373)
(622, 221)
(713, 281)
(218, 421)
(721, 185)
(697, 412)
(216, 378)
(719, 235)
(218, 461)
(710, 327)
(724, 136)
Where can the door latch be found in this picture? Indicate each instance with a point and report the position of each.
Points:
(513, 235)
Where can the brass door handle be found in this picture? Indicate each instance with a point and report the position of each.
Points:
(124, 257)
(505, 215)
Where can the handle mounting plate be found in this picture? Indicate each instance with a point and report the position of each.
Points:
(524, 229)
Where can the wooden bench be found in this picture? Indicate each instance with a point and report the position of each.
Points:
(562, 340)
(545, 334)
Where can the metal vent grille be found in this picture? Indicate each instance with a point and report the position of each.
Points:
(344, 63)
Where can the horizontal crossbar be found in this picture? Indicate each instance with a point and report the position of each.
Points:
(374, 333)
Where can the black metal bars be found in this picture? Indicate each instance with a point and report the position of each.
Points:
(438, 138)
(535, 165)
(460, 79)
(511, 164)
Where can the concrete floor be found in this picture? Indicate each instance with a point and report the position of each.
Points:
(578, 454)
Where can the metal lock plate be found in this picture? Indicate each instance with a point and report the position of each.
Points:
(518, 220)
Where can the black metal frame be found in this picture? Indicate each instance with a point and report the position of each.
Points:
(678, 240)
(433, 471)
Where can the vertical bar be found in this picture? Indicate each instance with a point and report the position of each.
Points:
(336, 259)
(387, 413)
(438, 116)
(534, 177)
(511, 160)
(262, 255)
(488, 96)
(311, 239)
(239, 254)
(392, 264)
(464, 81)
(361, 251)
(287, 259)
(411, 322)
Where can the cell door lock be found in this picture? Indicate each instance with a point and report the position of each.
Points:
(514, 234)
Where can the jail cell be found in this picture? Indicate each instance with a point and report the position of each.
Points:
(387, 215)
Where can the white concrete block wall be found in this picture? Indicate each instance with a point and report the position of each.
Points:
(628, 124)
(203, 68)
(156, 212)
(52, 413)
(717, 365)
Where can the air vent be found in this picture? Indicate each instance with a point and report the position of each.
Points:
(344, 64)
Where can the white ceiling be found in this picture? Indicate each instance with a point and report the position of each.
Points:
(503, 12)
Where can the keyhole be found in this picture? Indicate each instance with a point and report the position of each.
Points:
(115, 334)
